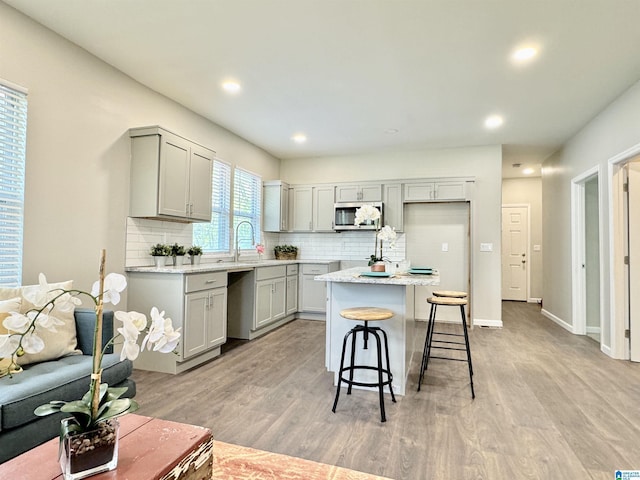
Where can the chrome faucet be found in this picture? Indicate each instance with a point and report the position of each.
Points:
(253, 238)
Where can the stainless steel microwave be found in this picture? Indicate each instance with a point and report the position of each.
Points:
(345, 216)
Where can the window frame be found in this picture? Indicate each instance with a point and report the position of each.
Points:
(13, 146)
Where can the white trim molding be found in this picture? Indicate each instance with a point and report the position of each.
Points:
(480, 322)
(557, 320)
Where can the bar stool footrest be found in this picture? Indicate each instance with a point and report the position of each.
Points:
(385, 371)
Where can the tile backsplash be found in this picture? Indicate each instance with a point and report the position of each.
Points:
(347, 246)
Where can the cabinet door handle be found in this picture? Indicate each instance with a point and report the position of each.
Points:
(186, 208)
(210, 281)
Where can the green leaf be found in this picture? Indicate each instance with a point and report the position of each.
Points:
(48, 409)
(115, 393)
(116, 408)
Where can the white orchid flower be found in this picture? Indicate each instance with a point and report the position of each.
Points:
(169, 339)
(161, 333)
(16, 322)
(8, 345)
(366, 213)
(48, 322)
(130, 331)
(130, 350)
(39, 295)
(389, 235)
(139, 320)
(114, 283)
(67, 302)
(32, 343)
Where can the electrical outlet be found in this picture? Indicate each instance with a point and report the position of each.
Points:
(536, 248)
(486, 247)
(445, 247)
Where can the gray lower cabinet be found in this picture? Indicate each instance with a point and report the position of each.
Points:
(292, 289)
(195, 302)
(259, 301)
(312, 294)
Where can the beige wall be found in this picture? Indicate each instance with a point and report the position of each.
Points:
(483, 163)
(611, 132)
(77, 169)
(529, 191)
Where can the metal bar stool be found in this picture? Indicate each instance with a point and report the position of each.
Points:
(454, 299)
(366, 314)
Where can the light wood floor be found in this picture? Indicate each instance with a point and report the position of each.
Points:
(548, 405)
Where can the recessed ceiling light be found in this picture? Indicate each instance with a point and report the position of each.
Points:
(493, 121)
(299, 138)
(231, 87)
(527, 171)
(524, 54)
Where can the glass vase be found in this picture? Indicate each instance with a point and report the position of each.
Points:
(89, 453)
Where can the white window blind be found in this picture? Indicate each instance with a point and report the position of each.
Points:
(247, 189)
(213, 237)
(13, 137)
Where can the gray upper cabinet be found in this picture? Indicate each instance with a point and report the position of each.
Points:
(323, 199)
(170, 176)
(362, 192)
(301, 208)
(393, 206)
(435, 191)
(275, 216)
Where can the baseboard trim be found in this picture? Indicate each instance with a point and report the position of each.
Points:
(534, 300)
(557, 320)
(606, 350)
(593, 330)
(481, 322)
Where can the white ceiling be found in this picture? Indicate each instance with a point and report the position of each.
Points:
(344, 72)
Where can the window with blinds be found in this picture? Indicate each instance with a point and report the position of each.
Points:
(13, 138)
(247, 190)
(213, 237)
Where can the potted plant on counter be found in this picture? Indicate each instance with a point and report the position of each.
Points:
(160, 252)
(285, 252)
(178, 252)
(368, 214)
(195, 252)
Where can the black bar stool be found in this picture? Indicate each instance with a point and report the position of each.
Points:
(453, 299)
(366, 314)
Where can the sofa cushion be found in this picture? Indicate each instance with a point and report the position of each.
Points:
(64, 379)
(56, 344)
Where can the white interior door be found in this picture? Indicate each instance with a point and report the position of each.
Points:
(633, 219)
(515, 264)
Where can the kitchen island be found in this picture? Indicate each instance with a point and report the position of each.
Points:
(348, 289)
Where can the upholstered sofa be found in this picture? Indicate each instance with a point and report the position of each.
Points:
(65, 378)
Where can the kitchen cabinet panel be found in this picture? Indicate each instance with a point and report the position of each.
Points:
(312, 295)
(301, 208)
(364, 192)
(437, 191)
(323, 200)
(195, 302)
(170, 176)
(275, 215)
(393, 208)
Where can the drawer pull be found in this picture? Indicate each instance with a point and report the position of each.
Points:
(211, 281)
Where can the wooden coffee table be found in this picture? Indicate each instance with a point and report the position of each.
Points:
(149, 449)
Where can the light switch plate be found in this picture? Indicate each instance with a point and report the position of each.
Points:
(486, 247)
(445, 247)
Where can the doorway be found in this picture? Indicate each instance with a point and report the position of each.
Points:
(515, 252)
(632, 256)
(587, 255)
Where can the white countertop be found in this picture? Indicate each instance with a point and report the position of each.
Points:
(352, 275)
(222, 266)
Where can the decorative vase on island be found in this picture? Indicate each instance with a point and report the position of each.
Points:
(89, 453)
(178, 260)
(378, 266)
(195, 259)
